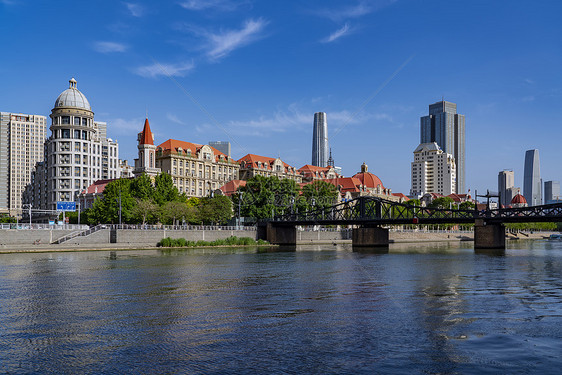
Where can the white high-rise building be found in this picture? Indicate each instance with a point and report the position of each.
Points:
(77, 153)
(21, 147)
(433, 171)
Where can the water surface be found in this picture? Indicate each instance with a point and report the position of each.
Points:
(421, 308)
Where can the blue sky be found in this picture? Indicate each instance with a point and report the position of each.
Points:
(253, 72)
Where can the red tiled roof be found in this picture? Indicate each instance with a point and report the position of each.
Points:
(313, 168)
(146, 135)
(253, 160)
(174, 145)
(348, 184)
(401, 195)
(519, 199)
(369, 180)
(231, 187)
(97, 187)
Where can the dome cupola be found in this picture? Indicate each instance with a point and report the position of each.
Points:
(72, 97)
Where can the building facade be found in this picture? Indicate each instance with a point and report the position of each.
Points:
(311, 173)
(532, 178)
(551, 192)
(433, 171)
(320, 148)
(146, 162)
(506, 180)
(21, 147)
(76, 154)
(255, 165)
(446, 127)
(196, 170)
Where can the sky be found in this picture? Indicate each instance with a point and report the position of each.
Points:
(254, 72)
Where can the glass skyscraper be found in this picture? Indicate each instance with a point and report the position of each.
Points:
(320, 148)
(532, 178)
(446, 128)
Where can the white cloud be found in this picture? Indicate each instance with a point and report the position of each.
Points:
(221, 44)
(344, 30)
(174, 118)
(223, 5)
(361, 9)
(170, 70)
(136, 10)
(108, 47)
(126, 126)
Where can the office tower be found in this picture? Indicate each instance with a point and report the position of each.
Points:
(446, 128)
(76, 154)
(506, 180)
(320, 147)
(222, 146)
(551, 192)
(532, 178)
(433, 171)
(21, 147)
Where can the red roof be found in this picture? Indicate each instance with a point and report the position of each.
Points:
(518, 199)
(97, 187)
(257, 161)
(231, 187)
(369, 180)
(174, 145)
(146, 137)
(348, 184)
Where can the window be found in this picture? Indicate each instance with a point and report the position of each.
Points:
(77, 171)
(77, 134)
(65, 120)
(65, 133)
(84, 121)
(76, 120)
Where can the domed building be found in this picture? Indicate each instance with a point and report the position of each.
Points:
(518, 201)
(77, 153)
(370, 182)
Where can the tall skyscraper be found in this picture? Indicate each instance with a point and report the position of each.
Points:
(76, 154)
(551, 192)
(532, 178)
(506, 180)
(320, 148)
(446, 128)
(21, 146)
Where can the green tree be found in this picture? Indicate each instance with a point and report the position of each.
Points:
(442, 202)
(317, 195)
(117, 197)
(215, 210)
(263, 197)
(172, 211)
(144, 211)
(467, 205)
(142, 188)
(164, 189)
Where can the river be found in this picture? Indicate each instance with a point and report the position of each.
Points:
(420, 308)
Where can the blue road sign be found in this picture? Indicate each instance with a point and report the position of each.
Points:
(66, 206)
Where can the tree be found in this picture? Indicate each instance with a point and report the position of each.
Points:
(142, 188)
(173, 210)
(164, 189)
(116, 198)
(263, 197)
(215, 210)
(467, 205)
(318, 195)
(442, 202)
(145, 210)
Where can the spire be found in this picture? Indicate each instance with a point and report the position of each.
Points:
(330, 159)
(145, 137)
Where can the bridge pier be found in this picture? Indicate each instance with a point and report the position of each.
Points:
(488, 235)
(282, 234)
(367, 236)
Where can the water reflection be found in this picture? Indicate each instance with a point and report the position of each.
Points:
(418, 308)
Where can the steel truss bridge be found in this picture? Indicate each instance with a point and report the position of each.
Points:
(379, 212)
